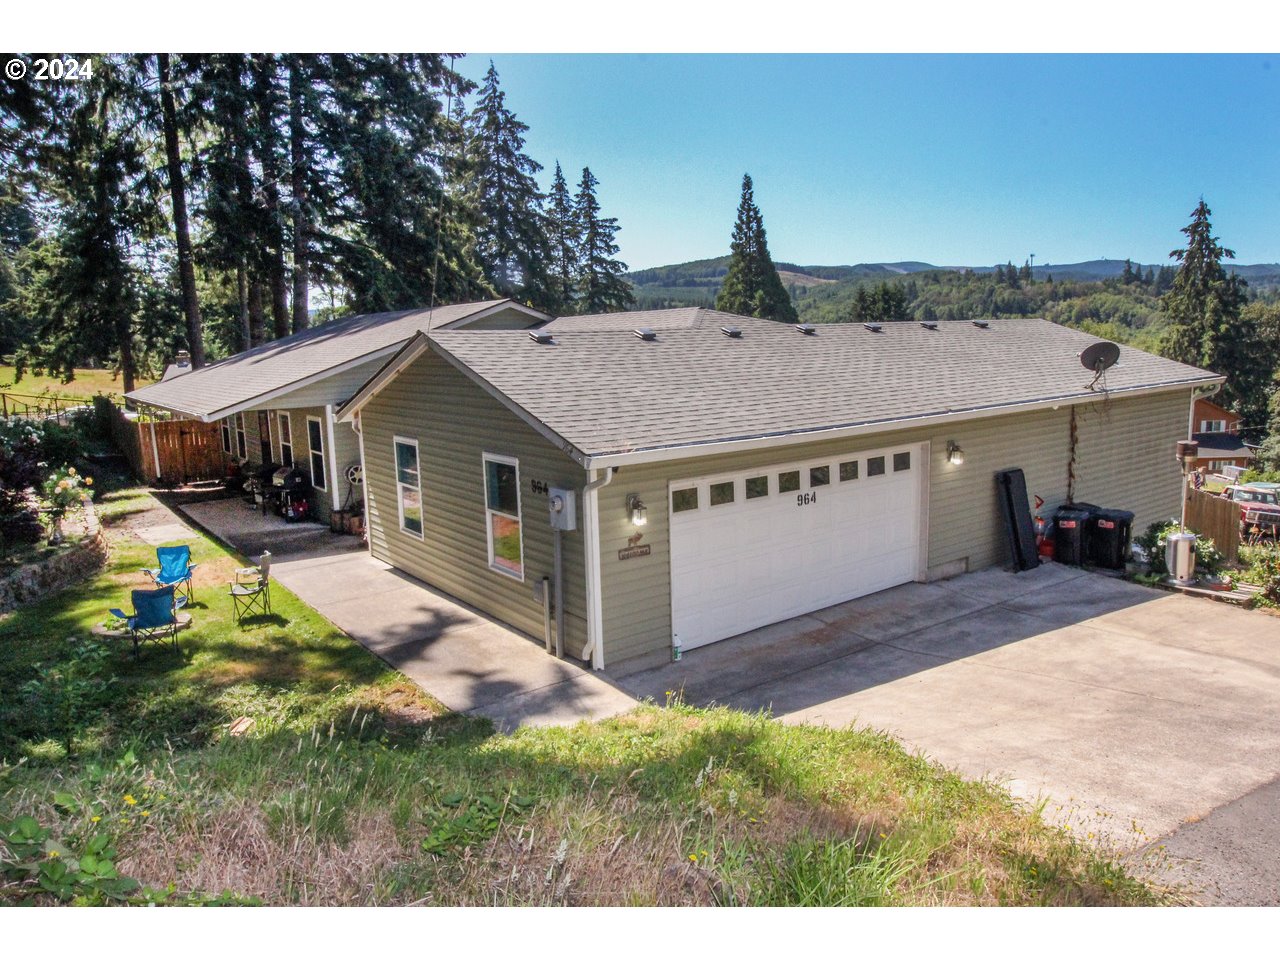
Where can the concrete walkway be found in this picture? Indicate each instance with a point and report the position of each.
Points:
(467, 661)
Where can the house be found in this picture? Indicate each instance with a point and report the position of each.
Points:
(276, 401)
(1217, 431)
(722, 473)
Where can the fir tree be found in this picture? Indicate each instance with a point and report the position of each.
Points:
(602, 288)
(752, 286)
(512, 236)
(1024, 272)
(562, 241)
(1203, 306)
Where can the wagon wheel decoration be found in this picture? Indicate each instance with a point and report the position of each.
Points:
(355, 475)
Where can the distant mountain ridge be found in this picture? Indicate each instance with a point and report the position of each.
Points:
(705, 275)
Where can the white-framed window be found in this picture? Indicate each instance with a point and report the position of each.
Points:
(241, 444)
(226, 436)
(502, 515)
(409, 486)
(284, 431)
(1213, 426)
(315, 446)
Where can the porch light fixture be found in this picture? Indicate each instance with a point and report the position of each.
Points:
(636, 510)
(955, 456)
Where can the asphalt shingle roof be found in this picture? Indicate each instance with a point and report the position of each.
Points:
(1221, 446)
(277, 365)
(676, 318)
(607, 391)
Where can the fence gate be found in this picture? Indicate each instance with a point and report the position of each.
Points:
(1216, 518)
(183, 451)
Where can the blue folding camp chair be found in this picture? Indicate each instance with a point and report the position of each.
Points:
(155, 616)
(174, 570)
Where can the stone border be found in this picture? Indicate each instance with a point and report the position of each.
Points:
(37, 580)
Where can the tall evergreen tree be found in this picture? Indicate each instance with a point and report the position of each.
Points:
(562, 241)
(602, 288)
(1203, 306)
(752, 286)
(512, 235)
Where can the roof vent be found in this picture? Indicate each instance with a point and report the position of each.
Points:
(733, 333)
(873, 327)
(982, 323)
(929, 324)
(540, 336)
(807, 328)
(644, 333)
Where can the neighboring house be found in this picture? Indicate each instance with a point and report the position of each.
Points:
(772, 471)
(1217, 431)
(276, 401)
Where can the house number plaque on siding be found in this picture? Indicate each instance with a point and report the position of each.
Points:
(630, 553)
(539, 486)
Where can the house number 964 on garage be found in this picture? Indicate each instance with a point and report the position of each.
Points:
(804, 499)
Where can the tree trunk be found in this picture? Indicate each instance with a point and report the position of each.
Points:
(127, 369)
(257, 318)
(242, 288)
(266, 146)
(181, 226)
(298, 183)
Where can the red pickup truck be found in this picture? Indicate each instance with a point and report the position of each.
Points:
(1259, 510)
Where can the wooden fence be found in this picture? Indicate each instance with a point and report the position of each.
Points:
(180, 451)
(1216, 518)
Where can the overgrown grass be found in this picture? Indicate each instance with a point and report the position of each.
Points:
(86, 385)
(353, 787)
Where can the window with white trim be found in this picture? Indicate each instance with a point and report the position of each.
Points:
(315, 445)
(1213, 426)
(284, 430)
(241, 444)
(408, 485)
(226, 436)
(502, 515)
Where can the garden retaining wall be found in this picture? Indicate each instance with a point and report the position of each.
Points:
(78, 562)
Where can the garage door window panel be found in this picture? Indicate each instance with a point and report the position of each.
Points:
(789, 482)
(848, 471)
(875, 467)
(901, 461)
(720, 493)
(502, 515)
(757, 487)
(819, 476)
(685, 500)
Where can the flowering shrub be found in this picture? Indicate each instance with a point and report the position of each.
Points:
(65, 489)
(20, 470)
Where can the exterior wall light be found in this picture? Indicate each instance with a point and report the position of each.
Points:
(955, 456)
(636, 510)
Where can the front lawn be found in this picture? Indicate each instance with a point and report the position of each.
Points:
(347, 785)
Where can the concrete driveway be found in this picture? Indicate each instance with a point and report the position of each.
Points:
(1133, 711)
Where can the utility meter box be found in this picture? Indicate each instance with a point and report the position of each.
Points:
(564, 509)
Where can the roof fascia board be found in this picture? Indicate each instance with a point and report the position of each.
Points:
(307, 381)
(407, 353)
(507, 304)
(690, 451)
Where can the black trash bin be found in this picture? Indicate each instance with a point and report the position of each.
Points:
(1070, 524)
(1108, 533)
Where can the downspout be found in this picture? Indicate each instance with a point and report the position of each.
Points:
(591, 532)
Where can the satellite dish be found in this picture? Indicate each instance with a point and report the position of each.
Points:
(1099, 356)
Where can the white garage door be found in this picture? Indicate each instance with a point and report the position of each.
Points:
(758, 546)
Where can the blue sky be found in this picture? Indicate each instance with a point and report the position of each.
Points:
(951, 159)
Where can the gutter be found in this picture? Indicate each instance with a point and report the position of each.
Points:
(591, 531)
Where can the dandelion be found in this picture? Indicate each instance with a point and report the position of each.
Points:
(53, 854)
(94, 819)
(146, 813)
(693, 858)
(128, 798)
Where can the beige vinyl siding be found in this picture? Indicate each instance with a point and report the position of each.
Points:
(964, 527)
(455, 423)
(346, 447)
(1128, 446)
